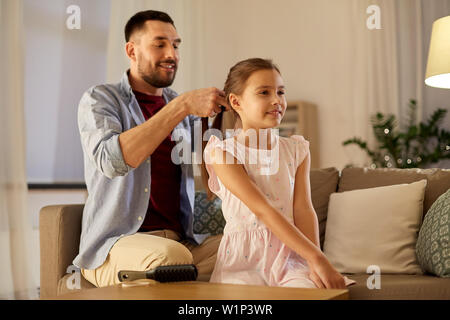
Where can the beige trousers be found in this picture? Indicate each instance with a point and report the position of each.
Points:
(146, 250)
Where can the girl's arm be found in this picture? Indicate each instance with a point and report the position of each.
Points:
(235, 178)
(305, 217)
(217, 124)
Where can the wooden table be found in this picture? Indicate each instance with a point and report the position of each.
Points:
(197, 290)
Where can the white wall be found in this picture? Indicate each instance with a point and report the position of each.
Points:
(60, 64)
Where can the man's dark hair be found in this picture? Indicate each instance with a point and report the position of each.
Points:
(137, 21)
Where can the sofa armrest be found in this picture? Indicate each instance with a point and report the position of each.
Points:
(59, 232)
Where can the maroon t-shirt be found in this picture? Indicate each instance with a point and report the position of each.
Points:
(164, 207)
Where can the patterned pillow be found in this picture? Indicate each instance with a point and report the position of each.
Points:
(433, 243)
(208, 216)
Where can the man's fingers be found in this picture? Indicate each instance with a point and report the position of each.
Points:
(223, 102)
(220, 93)
(217, 109)
(221, 99)
(211, 99)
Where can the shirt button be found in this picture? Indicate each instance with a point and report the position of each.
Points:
(139, 218)
(146, 190)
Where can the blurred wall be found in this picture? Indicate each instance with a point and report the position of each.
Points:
(60, 64)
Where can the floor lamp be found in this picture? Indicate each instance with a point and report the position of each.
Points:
(438, 66)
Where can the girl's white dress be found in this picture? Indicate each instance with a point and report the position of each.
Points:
(249, 252)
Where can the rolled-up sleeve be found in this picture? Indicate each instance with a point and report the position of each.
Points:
(100, 126)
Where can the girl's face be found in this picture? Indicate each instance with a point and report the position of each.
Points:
(262, 104)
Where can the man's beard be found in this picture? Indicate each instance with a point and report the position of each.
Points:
(152, 77)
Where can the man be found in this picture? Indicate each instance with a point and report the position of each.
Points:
(139, 212)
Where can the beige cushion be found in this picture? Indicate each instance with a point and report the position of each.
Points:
(438, 180)
(375, 226)
(59, 232)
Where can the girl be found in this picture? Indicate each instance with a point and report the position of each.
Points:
(271, 235)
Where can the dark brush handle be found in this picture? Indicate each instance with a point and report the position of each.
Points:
(184, 272)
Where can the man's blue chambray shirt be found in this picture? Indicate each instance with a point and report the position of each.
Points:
(118, 195)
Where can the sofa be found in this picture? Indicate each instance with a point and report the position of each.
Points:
(60, 227)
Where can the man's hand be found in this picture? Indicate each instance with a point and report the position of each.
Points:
(204, 102)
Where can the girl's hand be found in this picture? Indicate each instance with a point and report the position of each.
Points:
(324, 275)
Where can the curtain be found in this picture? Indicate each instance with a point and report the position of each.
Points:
(15, 228)
(326, 53)
(375, 69)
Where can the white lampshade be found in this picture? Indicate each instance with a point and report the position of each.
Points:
(438, 67)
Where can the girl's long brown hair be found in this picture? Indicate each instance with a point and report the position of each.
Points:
(235, 83)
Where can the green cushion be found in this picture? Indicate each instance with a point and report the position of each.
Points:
(433, 243)
(208, 216)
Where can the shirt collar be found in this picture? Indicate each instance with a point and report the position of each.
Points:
(127, 91)
(125, 85)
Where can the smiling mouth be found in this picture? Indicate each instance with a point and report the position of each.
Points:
(274, 113)
(167, 66)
